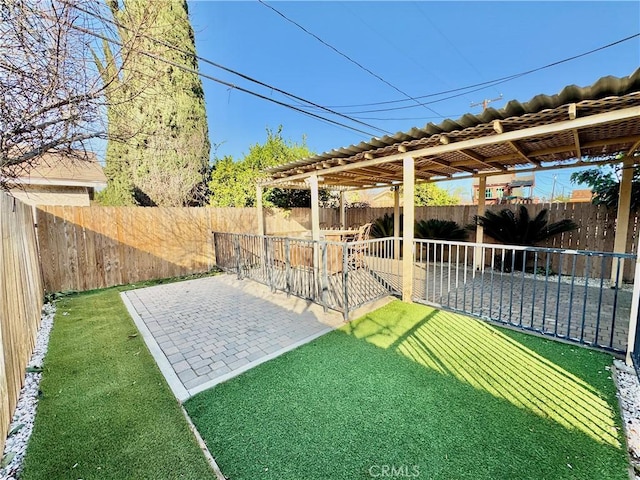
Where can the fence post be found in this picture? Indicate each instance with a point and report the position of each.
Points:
(345, 279)
(236, 245)
(287, 264)
(633, 316)
(324, 275)
(267, 245)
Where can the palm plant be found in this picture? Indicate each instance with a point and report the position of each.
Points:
(510, 228)
(439, 230)
(382, 227)
(435, 229)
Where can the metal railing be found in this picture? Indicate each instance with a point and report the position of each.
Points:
(567, 294)
(341, 276)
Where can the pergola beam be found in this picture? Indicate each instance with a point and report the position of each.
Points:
(480, 159)
(562, 126)
(553, 150)
(547, 151)
(442, 163)
(523, 155)
(369, 184)
(576, 141)
(633, 148)
(491, 174)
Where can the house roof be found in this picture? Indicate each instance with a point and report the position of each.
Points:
(56, 169)
(522, 183)
(578, 126)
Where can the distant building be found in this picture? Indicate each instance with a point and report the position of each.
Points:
(59, 180)
(382, 199)
(584, 195)
(507, 188)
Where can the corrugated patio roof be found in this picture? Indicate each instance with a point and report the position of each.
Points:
(589, 125)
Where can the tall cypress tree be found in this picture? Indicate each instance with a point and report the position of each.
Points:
(158, 147)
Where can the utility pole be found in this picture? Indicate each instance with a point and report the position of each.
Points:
(485, 103)
(553, 187)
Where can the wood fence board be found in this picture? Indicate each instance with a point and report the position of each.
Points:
(21, 299)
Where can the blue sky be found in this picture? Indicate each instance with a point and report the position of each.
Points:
(418, 47)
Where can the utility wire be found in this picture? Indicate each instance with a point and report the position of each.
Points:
(372, 29)
(227, 69)
(490, 83)
(344, 55)
(404, 107)
(217, 80)
(455, 115)
(448, 40)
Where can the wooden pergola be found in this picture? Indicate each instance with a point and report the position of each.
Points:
(578, 127)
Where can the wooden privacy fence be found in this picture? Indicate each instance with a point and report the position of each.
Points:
(596, 227)
(94, 247)
(21, 297)
(83, 248)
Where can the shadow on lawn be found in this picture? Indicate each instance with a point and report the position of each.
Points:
(482, 356)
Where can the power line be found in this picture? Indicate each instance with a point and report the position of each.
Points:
(447, 39)
(497, 81)
(227, 69)
(217, 80)
(372, 29)
(358, 64)
(407, 118)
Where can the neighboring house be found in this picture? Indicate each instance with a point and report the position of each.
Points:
(508, 188)
(584, 195)
(382, 199)
(58, 180)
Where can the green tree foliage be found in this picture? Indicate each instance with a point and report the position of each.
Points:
(158, 149)
(233, 184)
(429, 194)
(605, 184)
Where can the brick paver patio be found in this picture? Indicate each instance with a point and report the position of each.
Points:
(205, 331)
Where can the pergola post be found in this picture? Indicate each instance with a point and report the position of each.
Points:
(396, 223)
(343, 212)
(482, 186)
(315, 228)
(315, 208)
(633, 317)
(260, 210)
(408, 178)
(622, 218)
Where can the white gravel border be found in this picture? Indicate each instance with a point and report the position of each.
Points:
(25, 413)
(626, 380)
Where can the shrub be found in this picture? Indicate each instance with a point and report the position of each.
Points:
(382, 227)
(509, 228)
(439, 230)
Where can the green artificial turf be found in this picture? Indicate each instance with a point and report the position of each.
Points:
(106, 411)
(412, 392)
